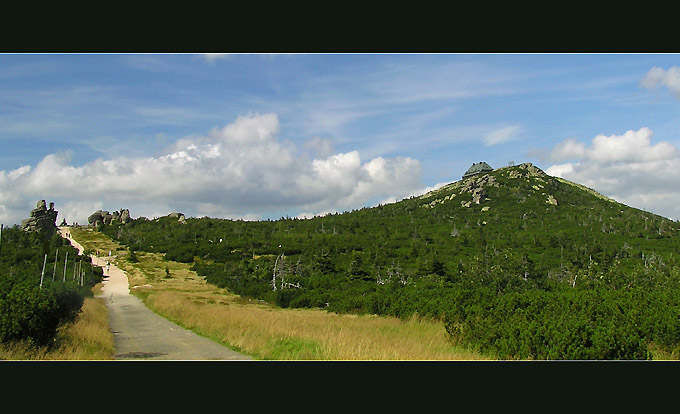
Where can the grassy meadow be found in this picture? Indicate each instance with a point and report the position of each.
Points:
(266, 332)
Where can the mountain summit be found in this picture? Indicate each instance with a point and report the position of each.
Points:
(519, 263)
(480, 177)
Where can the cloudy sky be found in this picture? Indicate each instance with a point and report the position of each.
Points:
(259, 136)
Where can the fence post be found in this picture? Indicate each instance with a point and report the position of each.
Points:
(65, 259)
(54, 271)
(43, 271)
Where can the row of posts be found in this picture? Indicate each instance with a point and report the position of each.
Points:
(77, 270)
(77, 266)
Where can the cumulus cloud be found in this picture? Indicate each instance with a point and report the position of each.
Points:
(632, 146)
(568, 149)
(628, 168)
(242, 170)
(657, 77)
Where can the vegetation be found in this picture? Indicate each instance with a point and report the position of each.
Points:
(268, 332)
(516, 263)
(86, 338)
(43, 285)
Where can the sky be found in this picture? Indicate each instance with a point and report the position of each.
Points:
(265, 136)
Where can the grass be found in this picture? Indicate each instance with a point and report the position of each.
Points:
(269, 333)
(87, 338)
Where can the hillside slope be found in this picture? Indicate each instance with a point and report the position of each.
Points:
(514, 238)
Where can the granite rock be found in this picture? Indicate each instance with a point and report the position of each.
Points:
(41, 218)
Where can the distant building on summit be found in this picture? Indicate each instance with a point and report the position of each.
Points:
(476, 168)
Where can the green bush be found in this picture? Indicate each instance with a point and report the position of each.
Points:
(29, 311)
(569, 324)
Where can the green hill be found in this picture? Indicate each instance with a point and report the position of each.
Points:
(519, 264)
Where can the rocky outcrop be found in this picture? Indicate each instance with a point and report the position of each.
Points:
(527, 170)
(473, 183)
(179, 216)
(478, 195)
(477, 187)
(41, 219)
(104, 217)
(123, 216)
(97, 217)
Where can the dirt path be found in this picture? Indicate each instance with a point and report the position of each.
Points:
(138, 332)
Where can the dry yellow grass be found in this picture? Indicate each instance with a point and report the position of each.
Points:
(87, 338)
(302, 334)
(266, 332)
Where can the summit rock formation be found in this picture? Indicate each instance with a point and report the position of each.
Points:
(104, 217)
(41, 218)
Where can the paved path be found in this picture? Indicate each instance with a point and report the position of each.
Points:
(139, 333)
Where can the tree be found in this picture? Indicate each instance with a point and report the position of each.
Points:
(357, 269)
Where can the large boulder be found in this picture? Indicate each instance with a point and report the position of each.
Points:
(104, 217)
(41, 218)
(97, 217)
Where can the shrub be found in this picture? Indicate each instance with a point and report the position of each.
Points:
(28, 312)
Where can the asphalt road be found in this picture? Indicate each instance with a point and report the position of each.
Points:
(141, 334)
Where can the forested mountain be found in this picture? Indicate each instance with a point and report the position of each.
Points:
(519, 264)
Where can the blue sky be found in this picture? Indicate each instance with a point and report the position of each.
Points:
(259, 136)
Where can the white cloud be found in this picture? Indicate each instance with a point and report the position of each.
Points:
(657, 77)
(631, 147)
(502, 135)
(567, 149)
(561, 170)
(240, 170)
(627, 168)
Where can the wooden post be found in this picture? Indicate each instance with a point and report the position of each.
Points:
(1, 227)
(65, 259)
(43, 271)
(54, 271)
